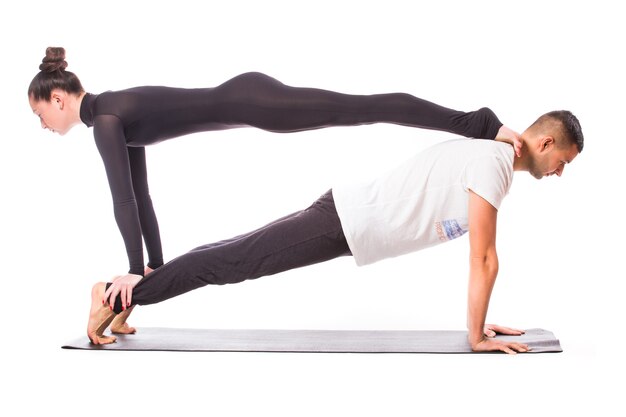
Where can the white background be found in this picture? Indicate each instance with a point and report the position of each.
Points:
(559, 239)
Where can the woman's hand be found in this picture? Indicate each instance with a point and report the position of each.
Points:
(147, 270)
(511, 137)
(122, 285)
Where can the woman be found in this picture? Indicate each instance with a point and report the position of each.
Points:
(124, 122)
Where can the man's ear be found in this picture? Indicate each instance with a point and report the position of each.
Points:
(546, 143)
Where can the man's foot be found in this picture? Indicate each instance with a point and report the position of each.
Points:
(100, 316)
(119, 325)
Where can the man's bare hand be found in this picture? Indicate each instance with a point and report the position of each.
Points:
(491, 345)
(511, 137)
(491, 330)
(487, 343)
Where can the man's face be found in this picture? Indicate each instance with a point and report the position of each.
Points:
(550, 159)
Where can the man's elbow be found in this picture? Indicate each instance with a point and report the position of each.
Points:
(487, 261)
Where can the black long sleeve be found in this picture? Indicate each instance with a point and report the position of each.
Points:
(109, 136)
(147, 216)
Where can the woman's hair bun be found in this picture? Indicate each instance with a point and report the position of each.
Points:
(54, 60)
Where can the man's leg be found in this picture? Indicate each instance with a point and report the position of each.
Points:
(100, 316)
(257, 100)
(303, 238)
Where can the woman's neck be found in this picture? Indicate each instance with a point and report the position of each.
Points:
(74, 103)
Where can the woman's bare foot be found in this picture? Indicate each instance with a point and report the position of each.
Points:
(100, 316)
(119, 325)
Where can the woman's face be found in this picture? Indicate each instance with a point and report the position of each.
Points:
(53, 114)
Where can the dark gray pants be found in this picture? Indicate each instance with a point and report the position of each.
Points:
(303, 238)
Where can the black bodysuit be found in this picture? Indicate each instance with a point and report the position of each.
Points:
(126, 121)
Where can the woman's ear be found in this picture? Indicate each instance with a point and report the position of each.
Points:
(58, 97)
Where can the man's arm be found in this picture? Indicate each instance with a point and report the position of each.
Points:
(483, 271)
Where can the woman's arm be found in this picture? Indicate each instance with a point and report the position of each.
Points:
(511, 137)
(147, 216)
(111, 143)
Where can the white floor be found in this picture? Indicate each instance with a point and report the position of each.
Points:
(235, 384)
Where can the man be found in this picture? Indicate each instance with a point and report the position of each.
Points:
(438, 195)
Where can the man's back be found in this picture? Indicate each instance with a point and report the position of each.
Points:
(422, 202)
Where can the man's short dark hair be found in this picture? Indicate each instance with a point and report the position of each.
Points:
(567, 125)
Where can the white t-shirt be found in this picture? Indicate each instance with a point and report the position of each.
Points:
(424, 201)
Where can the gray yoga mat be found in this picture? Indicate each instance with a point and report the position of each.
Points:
(356, 341)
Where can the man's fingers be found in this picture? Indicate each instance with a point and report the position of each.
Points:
(490, 330)
(516, 347)
(506, 349)
(504, 330)
(513, 348)
(510, 348)
(509, 331)
(520, 347)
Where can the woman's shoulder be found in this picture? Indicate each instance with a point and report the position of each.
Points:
(119, 102)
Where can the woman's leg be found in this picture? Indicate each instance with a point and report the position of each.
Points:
(306, 237)
(260, 101)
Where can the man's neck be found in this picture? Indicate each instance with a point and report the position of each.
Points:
(521, 163)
